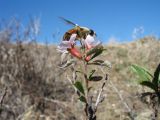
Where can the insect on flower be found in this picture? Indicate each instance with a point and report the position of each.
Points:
(69, 46)
(81, 32)
(90, 42)
(85, 35)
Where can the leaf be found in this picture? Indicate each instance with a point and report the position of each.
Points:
(78, 71)
(96, 78)
(97, 62)
(82, 99)
(97, 53)
(156, 76)
(67, 63)
(91, 73)
(78, 93)
(79, 87)
(105, 63)
(143, 74)
(149, 85)
(89, 89)
(145, 94)
(106, 78)
(94, 52)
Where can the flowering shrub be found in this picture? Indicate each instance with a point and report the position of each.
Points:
(68, 46)
(86, 52)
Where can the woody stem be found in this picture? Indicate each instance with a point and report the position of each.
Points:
(85, 80)
(86, 88)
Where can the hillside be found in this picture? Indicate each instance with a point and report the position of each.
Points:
(38, 90)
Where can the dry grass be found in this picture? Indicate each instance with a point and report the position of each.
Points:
(38, 90)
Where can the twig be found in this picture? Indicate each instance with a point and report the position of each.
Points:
(99, 96)
(131, 115)
(91, 110)
(86, 79)
(57, 102)
(120, 96)
(3, 96)
(71, 82)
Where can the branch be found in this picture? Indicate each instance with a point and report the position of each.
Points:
(99, 96)
(3, 96)
(71, 82)
(131, 115)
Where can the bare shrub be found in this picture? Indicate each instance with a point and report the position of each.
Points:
(28, 70)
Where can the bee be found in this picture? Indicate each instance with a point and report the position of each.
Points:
(81, 32)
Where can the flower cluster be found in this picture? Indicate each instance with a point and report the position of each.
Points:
(69, 46)
(86, 50)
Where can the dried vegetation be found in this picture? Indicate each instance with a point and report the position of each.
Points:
(32, 87)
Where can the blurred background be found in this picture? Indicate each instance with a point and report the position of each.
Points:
(33, 87)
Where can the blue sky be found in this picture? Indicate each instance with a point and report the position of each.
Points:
(122, 20)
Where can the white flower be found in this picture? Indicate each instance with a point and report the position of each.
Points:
(64, 45)
(91, 41)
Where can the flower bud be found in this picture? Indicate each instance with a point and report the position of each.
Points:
(74, 52)
(88, 58)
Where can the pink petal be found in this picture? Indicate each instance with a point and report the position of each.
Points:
(90, 42)
(72, 39)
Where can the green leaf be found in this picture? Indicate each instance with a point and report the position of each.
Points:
(94, 52)
(105, 63)
(89, 89)
(96, 78)
(96, 62)
(91, 73)
(146, 94)
(79, 87)
(144, 75)
(67, 63)
(97, 53)
(156, 76)
(149, 85)
(82, 99)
